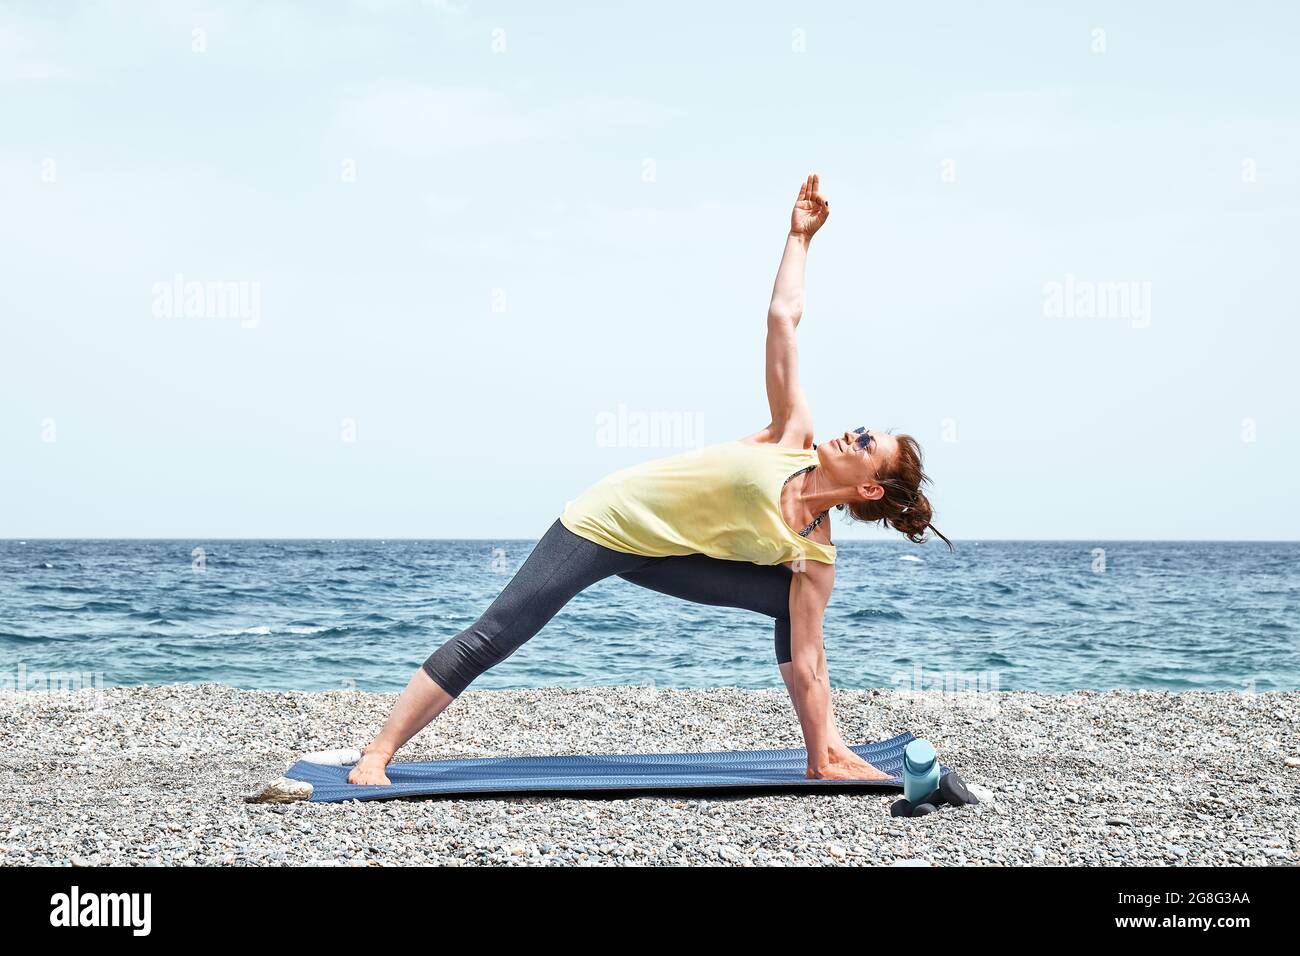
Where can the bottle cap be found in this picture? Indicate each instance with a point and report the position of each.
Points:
(919, 757)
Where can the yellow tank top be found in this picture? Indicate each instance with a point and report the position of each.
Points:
(723, 501)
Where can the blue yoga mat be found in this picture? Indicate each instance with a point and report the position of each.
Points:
(743, 770)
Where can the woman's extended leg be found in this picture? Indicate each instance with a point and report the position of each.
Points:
(705, 580)
(754, 587)
(561, 565)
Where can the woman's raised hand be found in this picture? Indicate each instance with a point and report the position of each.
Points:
(811, 209)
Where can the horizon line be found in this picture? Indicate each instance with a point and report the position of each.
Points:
(18, 540)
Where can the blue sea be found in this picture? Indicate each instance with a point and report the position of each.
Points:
(321, 615)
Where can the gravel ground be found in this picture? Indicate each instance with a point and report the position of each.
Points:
(156, 775)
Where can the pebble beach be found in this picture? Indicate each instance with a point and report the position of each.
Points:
(147, 776)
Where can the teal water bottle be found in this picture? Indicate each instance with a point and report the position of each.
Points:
(920, 770)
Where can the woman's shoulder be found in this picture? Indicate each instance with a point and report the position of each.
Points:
(795, 441)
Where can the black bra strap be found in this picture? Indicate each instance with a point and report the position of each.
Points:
(815, 521)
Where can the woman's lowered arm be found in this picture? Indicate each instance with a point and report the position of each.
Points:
(828, 758)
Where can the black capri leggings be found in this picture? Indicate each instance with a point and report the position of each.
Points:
(563, 563)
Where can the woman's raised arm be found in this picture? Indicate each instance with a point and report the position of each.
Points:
(791, 418)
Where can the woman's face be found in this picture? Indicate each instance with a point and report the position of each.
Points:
(858, 458)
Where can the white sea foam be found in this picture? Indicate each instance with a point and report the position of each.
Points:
(264, 631)
(258, 631)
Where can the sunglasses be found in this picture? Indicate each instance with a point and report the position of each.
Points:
(863, 441)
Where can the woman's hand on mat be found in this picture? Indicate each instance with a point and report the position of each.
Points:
(811, 209)
(846, 765)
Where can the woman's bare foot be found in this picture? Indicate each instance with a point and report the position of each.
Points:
(369, 770)
(845, 765)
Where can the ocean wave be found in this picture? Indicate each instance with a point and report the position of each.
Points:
(998, 660)
(14, 638)
(292, 630)
(879, 614)
(100, 606)
(260, 631)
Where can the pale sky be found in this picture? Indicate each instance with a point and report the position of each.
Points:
(472, 236)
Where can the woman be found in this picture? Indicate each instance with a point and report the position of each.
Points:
(741, 524)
